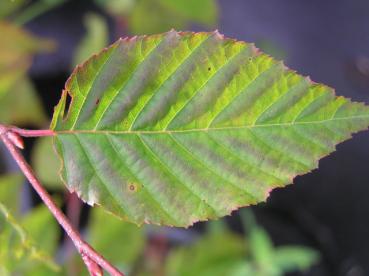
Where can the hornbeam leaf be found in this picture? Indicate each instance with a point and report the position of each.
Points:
(181, 127)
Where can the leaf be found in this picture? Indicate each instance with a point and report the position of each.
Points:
(18, 236)
(46, 163)
(180, 127)
(215, 254)
(290, 258)
(261, 245)
(96, 37)
(269, 260)
(16, 50)
(152, 16)
(117, 7)
(118, 241)
(149, 17)
(10, 190)
(204, 12)
(15, 106)
(43, 228)
(18, 250)
(8, 7)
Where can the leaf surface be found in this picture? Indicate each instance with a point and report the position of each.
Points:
(180, 127)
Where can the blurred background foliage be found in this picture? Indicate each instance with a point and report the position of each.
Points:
(31, 243)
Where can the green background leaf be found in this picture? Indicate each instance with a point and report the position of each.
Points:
(180, 127)
(10, 191)
(16, 105)
(20, 253)
(97, 37)
(27, 242)
(154, 16)
(17, 94)
(225, 253)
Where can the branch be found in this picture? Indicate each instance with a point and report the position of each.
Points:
(93, 260)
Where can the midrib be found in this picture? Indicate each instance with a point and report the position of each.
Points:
(211, 129)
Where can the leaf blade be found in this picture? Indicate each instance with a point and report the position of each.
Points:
(180, 127)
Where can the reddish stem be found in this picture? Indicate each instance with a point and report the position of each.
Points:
(31, 133)
(92, 259)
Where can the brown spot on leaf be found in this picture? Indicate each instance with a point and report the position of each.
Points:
(209, 68)
(97, 101)
(132, 187)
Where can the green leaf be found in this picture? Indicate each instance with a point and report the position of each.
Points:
(43, 228)
(10, 190)
(15, 106)
(7, 7)
(17, 95)
(204, 12)
(97, 37)
(153, 16)
(180, 127)
(118, 241)
(149, 17)
(261, 245)
(45, 162)
(269, 260)
(18, 250)
(117, 7)
(291, 258)
(215, 254)
(16, 50)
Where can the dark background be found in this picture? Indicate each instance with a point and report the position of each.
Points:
(328, 40)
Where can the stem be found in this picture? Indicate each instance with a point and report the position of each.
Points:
(92, 259)
(31, 133)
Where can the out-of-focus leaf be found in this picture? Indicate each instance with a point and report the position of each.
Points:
(10, 185)
(43, 228)
(176, 128)
(262, 251)
(46, 163)
(203, 12)
(97, 37)
(149, 17)
(154, 16)
(118, 241)
(117, 7)
(22, 106)
(7, 7)
(268, 260)
(291, 258)
(16, 50)
(213, 255)
(261, 246)
(18, 250)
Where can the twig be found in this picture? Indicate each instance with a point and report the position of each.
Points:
(93, 260)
